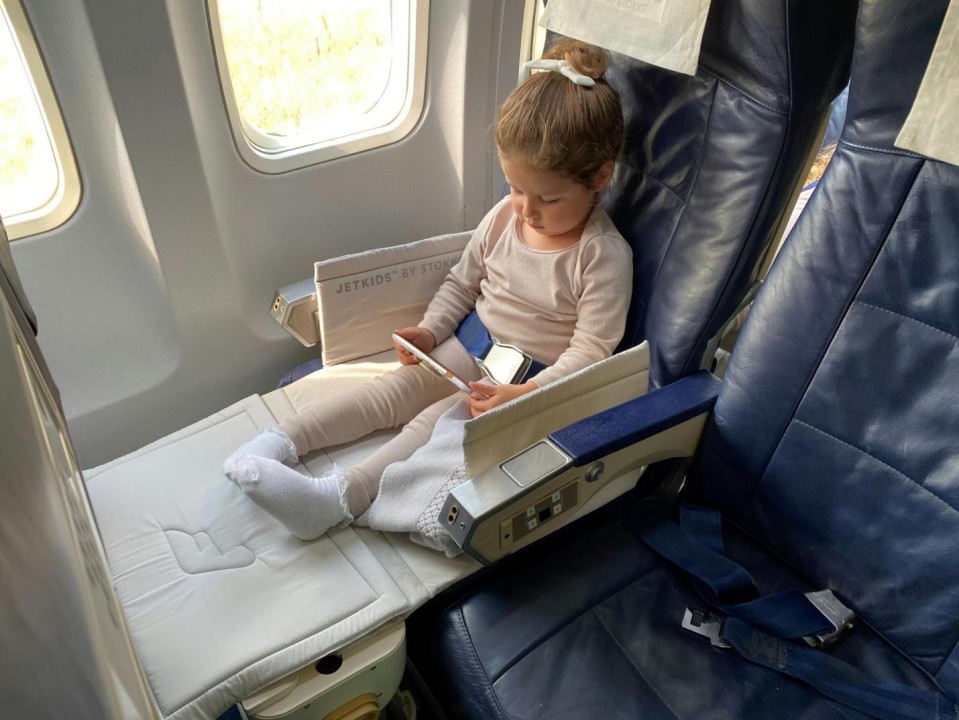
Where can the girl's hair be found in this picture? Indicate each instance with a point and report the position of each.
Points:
(553, 124)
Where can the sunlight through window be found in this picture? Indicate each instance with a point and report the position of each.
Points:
(303, 74)
(33, 186)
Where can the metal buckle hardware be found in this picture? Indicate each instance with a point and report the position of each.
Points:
(504, 364)
(705, 623)
(839, 616)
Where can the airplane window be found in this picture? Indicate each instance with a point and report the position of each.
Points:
(311, 80)
(39, 184)
(536, 35)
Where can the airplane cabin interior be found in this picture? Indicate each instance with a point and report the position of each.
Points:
(749, 510)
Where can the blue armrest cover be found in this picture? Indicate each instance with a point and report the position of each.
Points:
(636, 420)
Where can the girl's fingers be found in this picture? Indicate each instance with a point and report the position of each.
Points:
(484, 389)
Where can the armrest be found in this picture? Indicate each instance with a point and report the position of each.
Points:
(294, 307)
(634, 421)
(548, 484)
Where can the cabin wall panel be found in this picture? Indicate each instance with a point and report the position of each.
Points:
(153, 299)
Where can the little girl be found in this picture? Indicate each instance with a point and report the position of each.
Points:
(546, 271)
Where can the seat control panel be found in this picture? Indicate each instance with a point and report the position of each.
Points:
(538, 513)
(540, 489)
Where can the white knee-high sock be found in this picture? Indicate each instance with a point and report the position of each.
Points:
(270, 443)
(307, 506)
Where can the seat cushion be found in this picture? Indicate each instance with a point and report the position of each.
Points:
(591, 628)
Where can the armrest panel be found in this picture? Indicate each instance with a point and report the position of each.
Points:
(547, 485)
(294, 308)
(627, 424)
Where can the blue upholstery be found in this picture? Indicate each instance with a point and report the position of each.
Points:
(832, 453)
(588, 626)
(300, 371)
(837, 118)
(711, 162)
(855, 455)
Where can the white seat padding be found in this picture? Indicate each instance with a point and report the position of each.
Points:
(220, 598)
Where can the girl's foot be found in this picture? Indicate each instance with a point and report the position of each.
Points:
(271, 443)
(307, 506)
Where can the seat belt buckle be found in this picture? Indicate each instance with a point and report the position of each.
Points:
(504, 364)
(839, 616)
(703, 622)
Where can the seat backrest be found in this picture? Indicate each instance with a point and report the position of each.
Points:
(712, 162)
(835, 440)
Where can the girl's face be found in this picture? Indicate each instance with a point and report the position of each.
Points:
(552, 206)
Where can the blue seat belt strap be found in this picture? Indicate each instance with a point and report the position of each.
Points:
(727, 581)
(698, 544)
(474, 336)
(477, 341)
(727, 586)
(836, 679)
(705, 524)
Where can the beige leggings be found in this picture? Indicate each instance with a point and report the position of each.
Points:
(410, 396)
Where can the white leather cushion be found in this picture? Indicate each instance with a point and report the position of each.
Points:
(220, 599)
(362, 298)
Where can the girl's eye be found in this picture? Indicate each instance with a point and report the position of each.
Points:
(548, 202)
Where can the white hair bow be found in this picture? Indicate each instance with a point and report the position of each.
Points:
(563, 67)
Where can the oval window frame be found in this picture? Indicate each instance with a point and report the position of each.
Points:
(267, 154)
(65, 199)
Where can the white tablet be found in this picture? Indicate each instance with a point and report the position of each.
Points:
(432, 364)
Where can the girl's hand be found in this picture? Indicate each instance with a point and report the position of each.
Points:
(496, 395)
(422, 338)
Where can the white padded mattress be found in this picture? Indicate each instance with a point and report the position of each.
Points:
(221, 599)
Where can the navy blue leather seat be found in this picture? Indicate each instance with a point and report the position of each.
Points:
(713, 161)
(833, 455)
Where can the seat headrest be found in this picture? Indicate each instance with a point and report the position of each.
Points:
(893, 43)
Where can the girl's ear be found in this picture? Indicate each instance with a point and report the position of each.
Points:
(603, 175)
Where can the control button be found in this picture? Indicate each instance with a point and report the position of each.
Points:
(557, 508)
(595, 471)
(531, 524)
(557, 496)
(530, 512)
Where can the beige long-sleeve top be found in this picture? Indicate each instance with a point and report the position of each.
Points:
(565, 308)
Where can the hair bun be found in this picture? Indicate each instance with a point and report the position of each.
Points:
(586, 59)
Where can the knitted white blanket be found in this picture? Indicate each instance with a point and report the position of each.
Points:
(412, 492)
